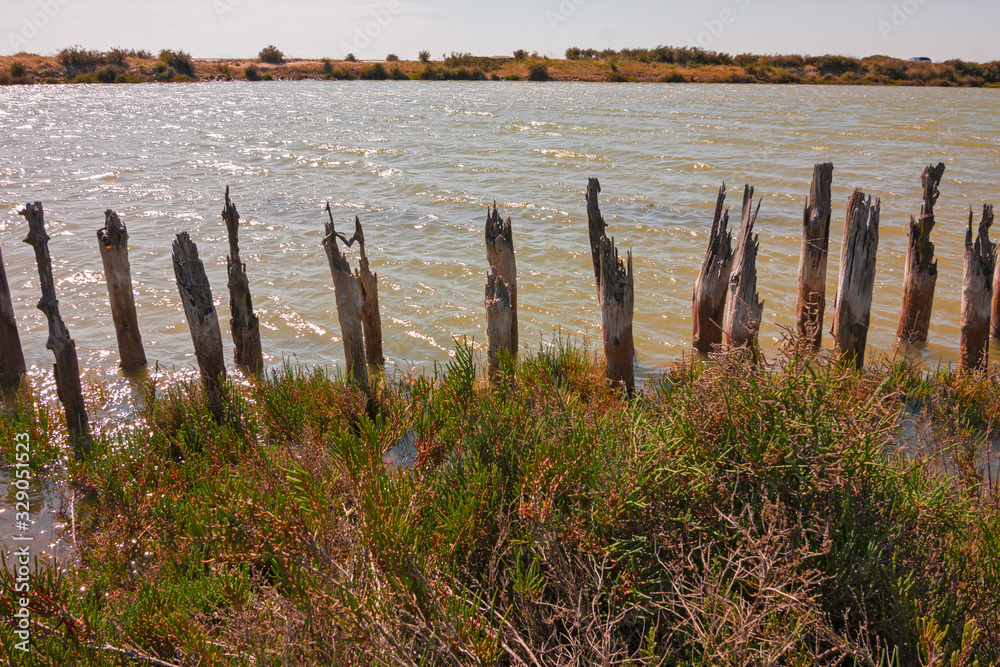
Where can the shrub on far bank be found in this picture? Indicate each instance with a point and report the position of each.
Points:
(179, 61)
(272, 55)
(351, 58)
(252, 73)
(425, 57)
(391, 58)
(539, 73)
(374, 73)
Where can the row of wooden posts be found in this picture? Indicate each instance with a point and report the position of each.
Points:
(728, 277)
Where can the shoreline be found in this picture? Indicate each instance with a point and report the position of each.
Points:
(116, 66)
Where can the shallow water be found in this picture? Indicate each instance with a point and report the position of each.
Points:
(419, 162)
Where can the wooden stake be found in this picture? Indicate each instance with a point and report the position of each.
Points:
(708, 304)
(745, 307)
(499, 312)
(243, 321)
(995, 310)
(920, 272)
(348, 296)
(67, 366)
(500, 256)
(202, 318)
(12, 366)
(977, 293)
(615, 292)
(371, 319)
(857, 278)
(811, 305)
(112, 239)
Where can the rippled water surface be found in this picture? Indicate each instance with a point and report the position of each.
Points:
(419, 162)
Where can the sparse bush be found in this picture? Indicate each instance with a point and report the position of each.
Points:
(539, 73)
(391, 58)
(673, 77)
(351, 58)
(836, 65)
(18, 70)
(374, 73)
(520, 54)
(226, 72)
(272, 55)
(327, 66)
(252, 73)
(77, 59)
(616, 77)
(180, 61)
(398, 75)
(425, 57)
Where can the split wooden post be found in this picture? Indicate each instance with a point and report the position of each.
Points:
(500, 256)
(977, 293)
(920, 273)
(811, 304)
(112, 239)
(12, 367)
(615, 292)
(243, 321)
(371, 318)
(995, 310)
(708, 304)
(857, 278)
(499, 312)
(348, 296)
(67, 366)
(745, 307)
(202, 318)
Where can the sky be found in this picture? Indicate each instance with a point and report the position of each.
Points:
(938, 29)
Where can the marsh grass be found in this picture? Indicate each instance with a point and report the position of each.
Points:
(730, 513)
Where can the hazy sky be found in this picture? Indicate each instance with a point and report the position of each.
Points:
(938, 29)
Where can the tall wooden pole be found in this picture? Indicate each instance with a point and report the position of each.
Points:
(811, 304)
(67, 366)
(857, 278)
(920, 273)
(615, 292)
(708, 304)
(112, 240)
(202, 318)
(745, 307)
(500, 256)
(977, 293)
(243, 321)
(12, 366)
(499, 310)
(348, 296)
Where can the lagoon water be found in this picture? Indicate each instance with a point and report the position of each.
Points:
(419, 162)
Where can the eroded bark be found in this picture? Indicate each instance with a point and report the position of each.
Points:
(813, 259)
(112, 240)
(977, 293)
(920, 272)
(857, 278)
(243, 322)
(745, 306)
(708, 304)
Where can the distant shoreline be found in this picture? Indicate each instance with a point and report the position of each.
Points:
(661, 65)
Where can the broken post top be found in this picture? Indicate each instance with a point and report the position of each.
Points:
(597, 226)
(338, 260)
(982, 247)
(497, 228)
(35, 216)
(39, 240)
(748, 219)
(113, 234)
(931, 181)
(920, 227)
(232, 219)
(819, 208)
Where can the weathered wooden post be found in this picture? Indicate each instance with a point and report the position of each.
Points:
(708, 304)
(371, 319)
(745, 307)
(857, 278)
(243, 321)
(615, 292)
(112, 239)
(920, 272)
(977, 293)
(12, 366)
(811, 304)
(995, 310)
(67, 366)
(500, 256)
(499, 311)
(203, 320)
(348, 296)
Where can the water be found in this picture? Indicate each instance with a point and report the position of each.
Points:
(419, 162)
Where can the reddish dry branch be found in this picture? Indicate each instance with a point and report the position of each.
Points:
(500, 256)
(243, 322)
(499, 312)
(977, 294)
(349, 310)
(202, 319)
(112, 240)
(857, 278)
(371, 319)
(708, 304)
(12, 366)
(745, 306)
(920, 273)
(617, 308)
(67, 366)
(811, 304)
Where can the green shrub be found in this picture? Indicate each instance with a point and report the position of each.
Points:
(425, 57)
(538, 73)
(252, 73)
(18, 70)
(520, 54)
(268, 77)
(673, 77)
(616, 77)
(180, 61)
(398, 75)
(351, 58)
(327, 66)
(76, 59)
(271, 54)
(375, 72)
(391, 58)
